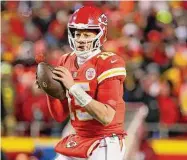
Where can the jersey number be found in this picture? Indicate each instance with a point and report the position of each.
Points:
(105, 55)
(81, 116)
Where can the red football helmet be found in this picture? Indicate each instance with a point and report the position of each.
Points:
(88, 17)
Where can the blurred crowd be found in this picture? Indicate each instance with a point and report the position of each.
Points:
(150, 36)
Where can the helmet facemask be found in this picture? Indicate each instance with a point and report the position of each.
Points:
(95, 42)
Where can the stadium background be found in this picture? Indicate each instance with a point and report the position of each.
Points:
(151, 36)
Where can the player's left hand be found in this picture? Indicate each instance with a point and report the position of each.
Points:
(63, 75)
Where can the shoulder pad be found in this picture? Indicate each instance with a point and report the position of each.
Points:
(109, 58)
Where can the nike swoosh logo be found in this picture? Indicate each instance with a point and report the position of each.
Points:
(113, 61)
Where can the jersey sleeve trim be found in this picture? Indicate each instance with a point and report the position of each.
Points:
(111, 73)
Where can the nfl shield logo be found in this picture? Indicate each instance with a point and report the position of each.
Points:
(90, 74)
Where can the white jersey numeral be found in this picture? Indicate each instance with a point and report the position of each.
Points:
(81, 116)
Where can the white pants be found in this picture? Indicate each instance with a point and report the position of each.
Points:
(108, 149)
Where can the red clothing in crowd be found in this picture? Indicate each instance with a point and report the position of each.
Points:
(27, 105)
(169, 113)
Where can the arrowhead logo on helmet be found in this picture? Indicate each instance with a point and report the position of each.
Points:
(103, 19)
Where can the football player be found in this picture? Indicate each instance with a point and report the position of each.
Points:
(94, 81)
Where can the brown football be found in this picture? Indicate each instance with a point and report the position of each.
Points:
(47, 83)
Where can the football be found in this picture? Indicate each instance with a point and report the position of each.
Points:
(47, 83)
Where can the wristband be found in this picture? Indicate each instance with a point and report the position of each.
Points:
(81, 96)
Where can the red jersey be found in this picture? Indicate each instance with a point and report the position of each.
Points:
(102, 77)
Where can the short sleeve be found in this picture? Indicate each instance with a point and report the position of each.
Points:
(111, 67)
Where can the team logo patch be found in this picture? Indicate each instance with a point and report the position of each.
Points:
(90, 74)
(71, 144)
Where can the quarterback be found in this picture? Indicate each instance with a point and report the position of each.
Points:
(94, 89)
